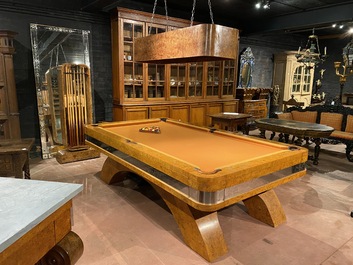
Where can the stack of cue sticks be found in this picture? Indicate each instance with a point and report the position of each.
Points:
(76, 77)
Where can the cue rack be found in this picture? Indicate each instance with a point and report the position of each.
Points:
(70, 104)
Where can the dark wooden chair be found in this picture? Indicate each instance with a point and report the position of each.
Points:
(292, 103)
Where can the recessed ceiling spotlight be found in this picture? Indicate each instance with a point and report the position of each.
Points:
(334, 25)
(341, 26)
(265, 4)
(350, 31)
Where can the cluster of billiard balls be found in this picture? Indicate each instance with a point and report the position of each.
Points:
(152, 129)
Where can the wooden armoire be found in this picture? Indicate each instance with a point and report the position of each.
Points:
(9, 114)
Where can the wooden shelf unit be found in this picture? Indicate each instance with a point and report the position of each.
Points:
(187, 92)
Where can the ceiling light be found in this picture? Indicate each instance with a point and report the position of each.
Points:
(310, 56)
(341, 26)
(265, 4)
(334, 25)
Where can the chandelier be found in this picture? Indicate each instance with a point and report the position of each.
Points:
(347, 67)
(310, 55)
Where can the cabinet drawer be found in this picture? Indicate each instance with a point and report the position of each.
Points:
(136, 113)
(159, 112)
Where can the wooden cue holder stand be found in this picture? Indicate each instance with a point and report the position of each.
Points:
(70, 102)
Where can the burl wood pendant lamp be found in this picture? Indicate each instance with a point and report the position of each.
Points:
(203, 42)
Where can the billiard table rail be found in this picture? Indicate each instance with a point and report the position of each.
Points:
(202, 200)
(229, 174)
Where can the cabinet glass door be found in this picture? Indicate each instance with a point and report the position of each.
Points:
(156, 72)
(133, 71)
(228, 77)
(177, 80)
(195, 79)
(301, 80)
(302, 85)
(213, 78)
(306, 80)
(297, 76)
(156, 80)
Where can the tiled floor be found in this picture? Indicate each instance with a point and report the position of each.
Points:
(128, 224)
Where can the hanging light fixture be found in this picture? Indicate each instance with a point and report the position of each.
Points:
(203, 42)
(310, 55)
(347, 67)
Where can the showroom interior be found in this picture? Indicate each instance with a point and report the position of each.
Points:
(246, 65)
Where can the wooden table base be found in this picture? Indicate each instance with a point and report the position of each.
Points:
(201, 230)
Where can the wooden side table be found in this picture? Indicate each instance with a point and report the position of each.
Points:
(14, 157)
(230, 121)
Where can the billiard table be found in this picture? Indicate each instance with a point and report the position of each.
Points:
(198, 171)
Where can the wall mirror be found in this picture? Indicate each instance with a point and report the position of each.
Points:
(247, 62)
(51, 47)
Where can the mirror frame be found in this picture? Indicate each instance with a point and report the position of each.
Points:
(45, 48)
(247, 59)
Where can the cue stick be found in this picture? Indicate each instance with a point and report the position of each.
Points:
(80, 103)
(68, 112)
(87, 93)
(75, 81)
(66, 109)
(84, 102)
(70, 95)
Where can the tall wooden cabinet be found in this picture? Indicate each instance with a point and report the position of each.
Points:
(9, 114)
(293, 78)
(186, 92)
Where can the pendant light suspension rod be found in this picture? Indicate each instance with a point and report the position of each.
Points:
(193, 12)
(154, 11)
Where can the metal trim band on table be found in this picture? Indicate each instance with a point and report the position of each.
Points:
(205, 197)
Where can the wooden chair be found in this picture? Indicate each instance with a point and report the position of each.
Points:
(292, 103)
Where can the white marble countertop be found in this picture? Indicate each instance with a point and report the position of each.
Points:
(24, 203)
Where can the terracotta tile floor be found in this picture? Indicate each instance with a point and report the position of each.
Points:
(128, 224)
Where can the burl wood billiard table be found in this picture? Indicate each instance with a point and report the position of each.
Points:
(198, 171)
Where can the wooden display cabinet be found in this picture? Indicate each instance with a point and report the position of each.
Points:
(182, 91)
(293, 78)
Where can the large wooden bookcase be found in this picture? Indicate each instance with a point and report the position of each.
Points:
(186, 92)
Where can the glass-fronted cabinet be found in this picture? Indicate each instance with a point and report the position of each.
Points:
(146, 90)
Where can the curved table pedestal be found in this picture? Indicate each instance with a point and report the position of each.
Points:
(201, 230)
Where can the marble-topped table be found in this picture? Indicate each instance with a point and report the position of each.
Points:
(34, 217)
